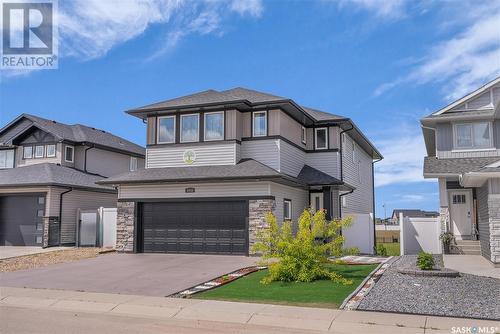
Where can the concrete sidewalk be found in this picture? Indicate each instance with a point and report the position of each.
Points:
(471, 264)
(272, 316)
(7, 252)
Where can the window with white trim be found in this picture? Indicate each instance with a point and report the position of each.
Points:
(214, 126)
(303, 135)
(133, 164)
(321, 138)
(6, 159)
(190, 128)
(259, 123)
(50, 150)
(28, 152)
(69, 153)
(39, 151)
(166, 130)
(473, 135)
(287, 209)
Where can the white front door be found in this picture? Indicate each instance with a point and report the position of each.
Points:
(460, 202)
(316, 201)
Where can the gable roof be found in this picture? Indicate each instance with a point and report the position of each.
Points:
(415, 213)
(77, 133)
(455, 166)
(50, 174)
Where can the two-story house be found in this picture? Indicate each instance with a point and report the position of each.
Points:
(217, 161)
(463, 148)
(48, 172)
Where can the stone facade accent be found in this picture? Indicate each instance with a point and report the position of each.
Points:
(494, 214)
(125, 223)
(50, 227)
(257, 218)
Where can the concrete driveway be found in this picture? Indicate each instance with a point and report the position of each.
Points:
(139, 274)
(15, 251)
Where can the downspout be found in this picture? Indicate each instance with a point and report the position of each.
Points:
(341, 153)
(85, 158)
(373, 192)
(60, 213)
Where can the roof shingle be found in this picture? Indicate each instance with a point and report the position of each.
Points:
(433, 165)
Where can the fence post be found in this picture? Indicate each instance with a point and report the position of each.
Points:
(402, 234)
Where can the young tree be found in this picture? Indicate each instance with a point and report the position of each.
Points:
(302, 257)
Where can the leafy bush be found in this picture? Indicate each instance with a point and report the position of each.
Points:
(381, 250)
(425, 261)
(447, 238)
(301, 257)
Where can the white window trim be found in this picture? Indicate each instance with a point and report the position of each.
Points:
(24, 154)
(289, 213)
(253, 123)
(72, 153)
(43, 152)
(47, 151)
(456, 148)
(158, 129)
(135, 163)
(13, 158)
(304, 134)
(316, 139)
(205, 125)
(197, 132)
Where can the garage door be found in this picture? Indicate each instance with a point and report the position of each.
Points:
(21, 220)
(195, 227)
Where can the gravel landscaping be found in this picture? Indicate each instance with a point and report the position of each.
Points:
(45, 259)
(464, 296)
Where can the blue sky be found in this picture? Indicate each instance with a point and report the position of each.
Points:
(385, 64)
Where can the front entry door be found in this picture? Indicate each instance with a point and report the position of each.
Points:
(316, 201)
(461, 213)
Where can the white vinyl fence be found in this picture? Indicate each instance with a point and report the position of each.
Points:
(360, 234)
(97, 228)
(419, 234)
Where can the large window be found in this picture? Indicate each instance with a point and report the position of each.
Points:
(473, 135)
(166, 129)
(287, 209)
(321, 142)
(259, 123)
(190, 128)
(69, 153)
(39, 151)
(51, 151)
(214, 126)
(28, 152)
(6, 159)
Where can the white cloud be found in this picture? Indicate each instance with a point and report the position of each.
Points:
(403, 159)
(387, 9)
(244, 7)
(465, 60)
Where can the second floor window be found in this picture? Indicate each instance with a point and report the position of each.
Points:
(166, 129)
(39, 150)
(287, 209)
(190, 128)
(51, 151)
(133, 164)
(69, 153)
(473, 135)
(321, 142)
(28, 152)
(303, 135)
(259, 123)
(214, 126)
(6, 159)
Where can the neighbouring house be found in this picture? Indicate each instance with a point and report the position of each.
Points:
(48, 172)
(217, 161)
(463, 148)
(412, 213)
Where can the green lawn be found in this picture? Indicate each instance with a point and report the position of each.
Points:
(321, 293)
(392, 248)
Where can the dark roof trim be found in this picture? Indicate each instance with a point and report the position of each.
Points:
(194, 199)
(55, 184)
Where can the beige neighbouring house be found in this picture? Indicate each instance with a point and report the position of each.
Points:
(217, 161)
(48, 174)
(463, 154)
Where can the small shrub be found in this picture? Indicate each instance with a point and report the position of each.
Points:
(425, 261)
(381, 250)
(302, 257)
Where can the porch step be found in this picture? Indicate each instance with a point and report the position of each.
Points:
(468, 247)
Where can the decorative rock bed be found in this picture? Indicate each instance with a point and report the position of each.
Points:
(444, 272)
(216, 282)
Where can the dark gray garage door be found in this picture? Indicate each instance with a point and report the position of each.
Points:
(195, 227)
(21, 220)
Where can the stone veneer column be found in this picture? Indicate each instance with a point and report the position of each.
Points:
(494, 214)
(47, 221)
(257, 218)
(125, 222)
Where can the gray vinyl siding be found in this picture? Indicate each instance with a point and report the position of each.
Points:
(229, 189)
(444, 137)
(63, 158)
(233, 124)
(494, 186)
(246, 122)
(290, 129)
(151, 131)
(361, 200)
(20, 161)
(266, 151)
(14, 130)
(291, 159)
(483, 220)
(213, 154)
(496, 133)
(327, 162)
(333, 137)
(309, 138)
(299, 198)
(83, 200)
(468, 154)
(107, 163)
(274, 122)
